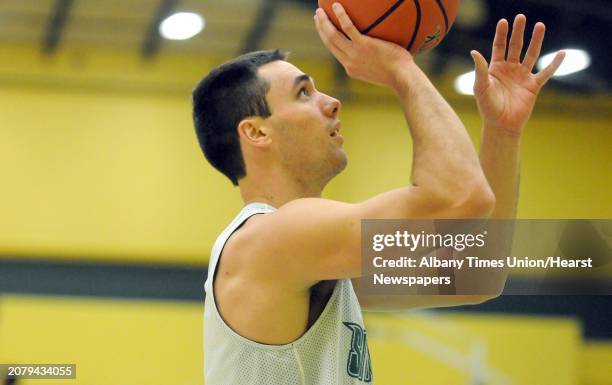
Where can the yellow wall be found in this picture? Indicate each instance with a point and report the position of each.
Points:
(596, 363)
(110, 341)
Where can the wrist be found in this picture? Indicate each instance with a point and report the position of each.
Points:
(510, 136)
(402, 75)
(495, 143)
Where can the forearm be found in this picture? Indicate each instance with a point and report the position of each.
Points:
(500, 160)
(444, 157)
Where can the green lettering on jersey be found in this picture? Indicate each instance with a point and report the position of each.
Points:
(358, 362)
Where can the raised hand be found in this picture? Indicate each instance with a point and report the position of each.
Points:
(506, 91)
(371, 60)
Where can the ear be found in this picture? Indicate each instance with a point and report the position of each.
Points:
(254, 132)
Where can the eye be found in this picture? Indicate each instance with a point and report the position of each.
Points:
(303, 92)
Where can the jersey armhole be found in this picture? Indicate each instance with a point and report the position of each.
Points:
(256, 344)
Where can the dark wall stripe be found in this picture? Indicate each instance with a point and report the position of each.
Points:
(383, 17)
(439, 2)
(81, 279)
(417, 26)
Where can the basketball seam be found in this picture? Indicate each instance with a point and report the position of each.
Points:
(443, 14)
(383, 17)
(417, 25)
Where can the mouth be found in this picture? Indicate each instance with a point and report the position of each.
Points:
(335, 131)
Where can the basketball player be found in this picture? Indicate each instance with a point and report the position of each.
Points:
(280, 305)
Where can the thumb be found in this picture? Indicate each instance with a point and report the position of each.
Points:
(482, 72)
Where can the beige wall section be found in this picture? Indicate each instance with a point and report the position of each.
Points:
(99, 160)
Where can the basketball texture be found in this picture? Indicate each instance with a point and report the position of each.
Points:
(418, 25)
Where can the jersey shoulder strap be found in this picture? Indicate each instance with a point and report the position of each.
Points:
(247, 212)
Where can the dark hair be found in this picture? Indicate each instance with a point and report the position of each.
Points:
(228, 94)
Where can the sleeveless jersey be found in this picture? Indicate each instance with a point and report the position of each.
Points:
(333, 351)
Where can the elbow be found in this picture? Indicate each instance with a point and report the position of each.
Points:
(479, 202)
(470, 200)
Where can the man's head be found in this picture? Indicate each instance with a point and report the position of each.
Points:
(258, 110)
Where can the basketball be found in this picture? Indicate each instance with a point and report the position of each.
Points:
(418, 25)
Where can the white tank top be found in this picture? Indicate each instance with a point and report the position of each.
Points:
(333, 351)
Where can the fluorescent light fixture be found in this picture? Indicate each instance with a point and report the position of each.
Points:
(575, 60)
(181, 26)
(464, 84)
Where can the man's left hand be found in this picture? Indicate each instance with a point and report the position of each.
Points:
(506, 91)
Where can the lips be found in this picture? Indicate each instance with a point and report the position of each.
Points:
(335, 131)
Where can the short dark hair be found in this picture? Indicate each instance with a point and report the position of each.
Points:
(228, 94)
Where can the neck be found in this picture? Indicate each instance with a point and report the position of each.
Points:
(276, 191)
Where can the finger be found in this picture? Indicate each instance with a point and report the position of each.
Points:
(499, 43)
(516, 40)
(482, 73)
(535, 46)
(331, 37)
(345, 22)
(544, 76)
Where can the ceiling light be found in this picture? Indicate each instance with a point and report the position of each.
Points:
(464, 84)
(575, 60)
(181, 26)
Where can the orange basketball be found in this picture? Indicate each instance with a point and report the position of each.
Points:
(418, 25)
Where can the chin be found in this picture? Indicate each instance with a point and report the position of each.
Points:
(341, 163)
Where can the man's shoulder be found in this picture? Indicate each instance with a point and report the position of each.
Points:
(302, 242)
(242, 246)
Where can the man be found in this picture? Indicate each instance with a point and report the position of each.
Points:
(280, 305)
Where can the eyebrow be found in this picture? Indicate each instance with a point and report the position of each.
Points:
(300, 79)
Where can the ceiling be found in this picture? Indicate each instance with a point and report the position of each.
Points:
(235, 26)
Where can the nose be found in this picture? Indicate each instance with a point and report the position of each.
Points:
(332, 106)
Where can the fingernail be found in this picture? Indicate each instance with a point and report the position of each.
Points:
(336, 7)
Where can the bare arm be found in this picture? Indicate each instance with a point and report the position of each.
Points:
(506, 93)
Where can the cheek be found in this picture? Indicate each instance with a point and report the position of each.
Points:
(302, 134)
(301, 147)
(301, 129)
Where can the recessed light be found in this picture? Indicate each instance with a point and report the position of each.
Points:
(181, 26)
(575, 60)
(464, 84)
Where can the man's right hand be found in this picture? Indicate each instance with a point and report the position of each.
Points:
(365, 58)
